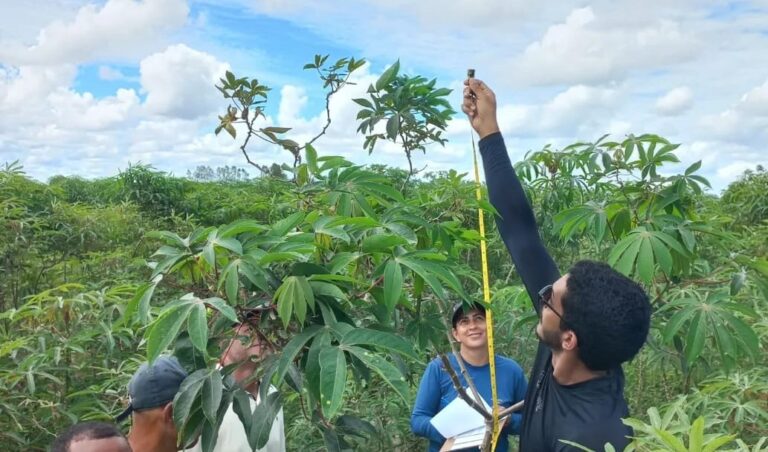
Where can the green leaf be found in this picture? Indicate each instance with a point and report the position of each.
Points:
(627, 260)
(423, 264)
(332, 441)
(393, 126)
(645, 266)
(139, 304)
(169, 237)
(693, 168)
(241, 405)
(379, 339)
(694, 342)
(388, 76)
(662, 255)
(312, 366)
(675, 323)
(306, 291)
(263, 416)
(232, 244)
(418, 268)
(292, 349)
(341, 261)
(670, 440)
(164, 329)
(250, 268)
(717, 443)
(745, 334)
(384, 369)
(198, 327)
(285, 225)
(293, 296)
(209, 254)
(393, 284)
(354, 425)
(724, 342)
(240, 226)
(276, 129)
(212, 390)
(325, 289)
(187, 395)
(364, 103)
(696, 435)
(230, 278)
(382, 243)
(333, 379)
(222, 306)
(311, 154)
(403, 231)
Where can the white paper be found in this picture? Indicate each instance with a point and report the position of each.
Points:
(458, 417)
(472, 438)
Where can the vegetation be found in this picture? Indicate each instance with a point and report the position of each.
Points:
(344, 269)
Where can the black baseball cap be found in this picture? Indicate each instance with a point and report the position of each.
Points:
(154, 386)
(462, 308)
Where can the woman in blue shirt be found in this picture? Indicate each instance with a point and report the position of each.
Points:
(436, 390)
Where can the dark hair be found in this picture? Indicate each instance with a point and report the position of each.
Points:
(85, 430)
(609, 313)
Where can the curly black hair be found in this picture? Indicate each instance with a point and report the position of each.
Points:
(609, 313)
(82, 431)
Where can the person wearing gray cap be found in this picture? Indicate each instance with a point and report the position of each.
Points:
(436, 390)
(152, 389)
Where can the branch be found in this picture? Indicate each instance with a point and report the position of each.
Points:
(457, 385)
(460, 389)
(509, 410)
(251, 133)
(334, 90)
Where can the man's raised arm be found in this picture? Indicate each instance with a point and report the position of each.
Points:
(516, 222)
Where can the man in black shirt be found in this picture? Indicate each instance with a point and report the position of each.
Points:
(591, 319)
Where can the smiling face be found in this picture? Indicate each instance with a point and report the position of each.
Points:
(470, 330)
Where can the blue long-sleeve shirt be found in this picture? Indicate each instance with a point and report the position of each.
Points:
(436, 391)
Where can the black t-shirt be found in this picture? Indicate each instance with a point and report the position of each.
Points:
(587, 413)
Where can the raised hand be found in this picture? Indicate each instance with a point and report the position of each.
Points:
(480, 106)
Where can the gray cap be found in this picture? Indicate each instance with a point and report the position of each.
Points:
(154, 386)
(463, 308)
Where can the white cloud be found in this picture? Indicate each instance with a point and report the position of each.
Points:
(119, 29)
(23, 90)
(586, 49)
(735, 169)
(675, 101)
(293, 99)
(756, 100)
(78, 111)
(180, 81)
(562, 75)
(576, 111)
(577, 105)
(747, 120)
(111, 74)
(721, 161)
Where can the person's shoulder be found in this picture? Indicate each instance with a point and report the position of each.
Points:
(508, 364)
(436, 364)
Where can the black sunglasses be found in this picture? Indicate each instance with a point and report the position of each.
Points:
(545, 297)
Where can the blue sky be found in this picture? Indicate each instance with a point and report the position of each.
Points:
(87, 87)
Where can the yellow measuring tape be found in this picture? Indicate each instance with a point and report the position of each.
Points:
(486, 294)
